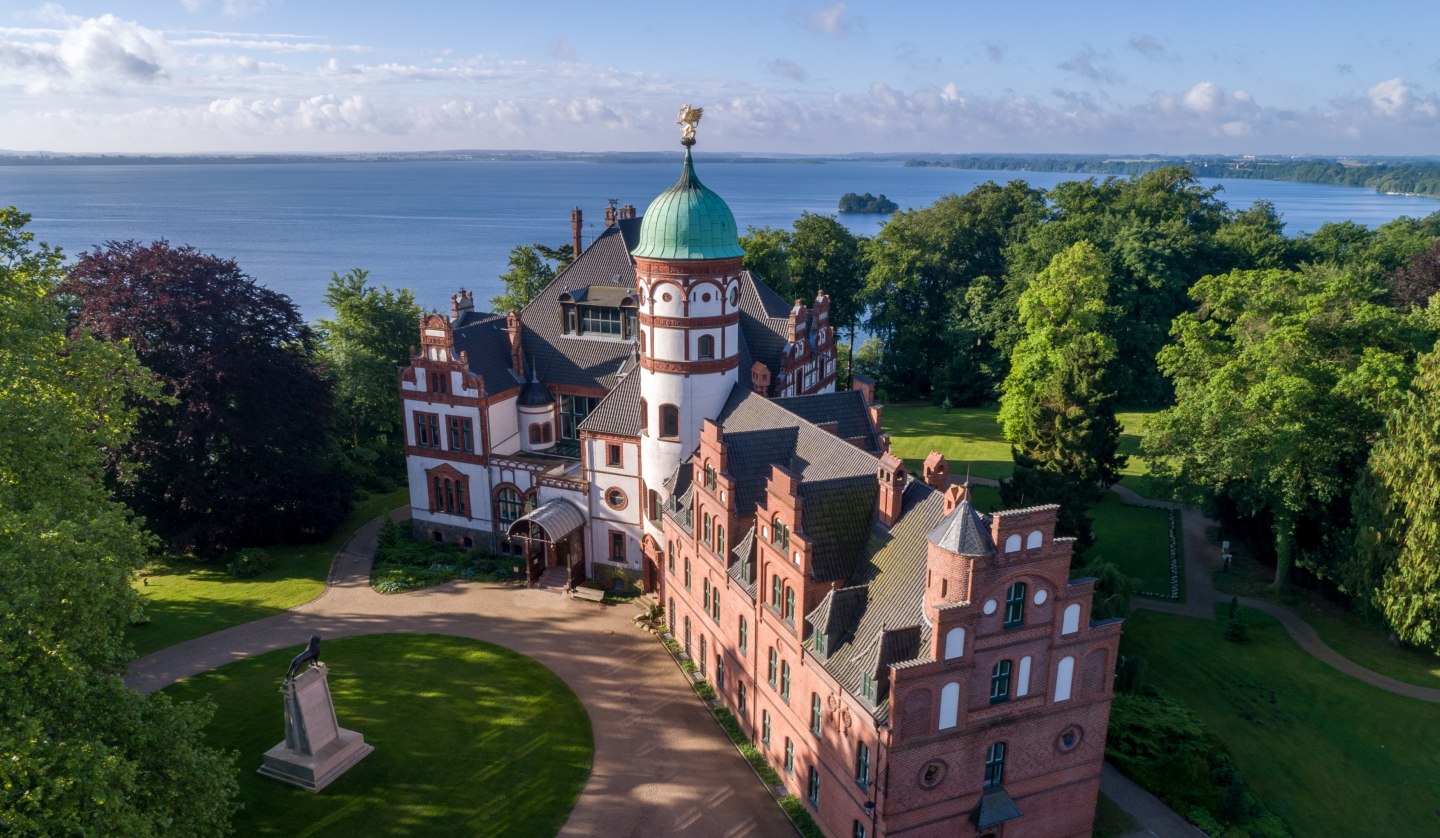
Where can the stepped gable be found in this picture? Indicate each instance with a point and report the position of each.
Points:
(837, 481)
(847, 409)
(481, 336)
(619, 412)
(577, 360)
(888, 627)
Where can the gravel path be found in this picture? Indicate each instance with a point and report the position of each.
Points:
(650, 730)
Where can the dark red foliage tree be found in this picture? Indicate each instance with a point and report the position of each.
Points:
(244, 454)
(1418, 279)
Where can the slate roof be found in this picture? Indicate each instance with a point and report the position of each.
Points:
(846, 408)
(836, 613)
(764, 326)
(483, 339)
(582, 361)
(964, 531)
(742, 563)
(534, 394)
(995, 807)
(618, 412)
(836, 479)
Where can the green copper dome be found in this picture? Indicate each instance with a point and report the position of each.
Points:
(688, 221)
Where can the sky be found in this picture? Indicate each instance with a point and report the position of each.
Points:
(802, 76)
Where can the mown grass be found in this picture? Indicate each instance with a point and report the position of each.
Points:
(186, 599)
(470, 739)
(1137, 539)
(1329, 754)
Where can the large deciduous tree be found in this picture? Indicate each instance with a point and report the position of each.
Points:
(1282, 380)
(531, 270)
(361, 347)
(767, 257)
(80, 754)
(1057, 410)
(243, 453)
(1396, 564)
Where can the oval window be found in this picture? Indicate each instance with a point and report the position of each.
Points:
(615, 498)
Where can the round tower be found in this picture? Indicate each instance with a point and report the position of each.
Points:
(687, 265)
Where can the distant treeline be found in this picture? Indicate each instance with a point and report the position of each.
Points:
(1420, 177)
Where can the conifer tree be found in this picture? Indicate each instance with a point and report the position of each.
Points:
(1057, 411)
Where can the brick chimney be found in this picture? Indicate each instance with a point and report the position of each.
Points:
(460, 303)
(865, 384)
(937, 471)
(892, 488)
(577, 222)
(610, 215)
(517, 353)
(627, 211)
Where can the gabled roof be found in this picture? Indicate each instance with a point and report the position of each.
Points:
(619, 412)
(837, 611)
(847, 409)
(483, 339)
(837, 480)
(742, 563)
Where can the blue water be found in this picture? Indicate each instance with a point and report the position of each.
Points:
(435, 226)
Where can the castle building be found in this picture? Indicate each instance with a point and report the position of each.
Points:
(658, 418)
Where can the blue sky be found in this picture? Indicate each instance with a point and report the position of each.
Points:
(802, 76)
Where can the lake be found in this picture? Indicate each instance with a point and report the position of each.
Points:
(437, 225)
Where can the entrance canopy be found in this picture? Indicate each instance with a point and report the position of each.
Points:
(554, 519)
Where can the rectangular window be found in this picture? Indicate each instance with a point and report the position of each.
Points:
(702, 654)
(719, 673)
(867, 687)
(744, 634)
(765, 728)
(785, 681)
(613, 456)
(573, 410)
(815, 713)
(820, 643)
(670, 557)
(774, 666)
(814, 788)
(789, 756)
(603, 321)
(461, 434)
(687, 574)
(427, 430)
(1015, 605)
(862, 764)
(715, 605)
(740, 698)
(995, 765)
(617, 547)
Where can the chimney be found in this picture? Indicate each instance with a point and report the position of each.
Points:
(760, 378)
(610, 214)
(577, 221)
(460, 303)
(866, 385)
(517, 354)
(937, 471)
(627, 211)
(892, 489)
(799, 321)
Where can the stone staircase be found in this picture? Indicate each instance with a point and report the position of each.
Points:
(555, 579)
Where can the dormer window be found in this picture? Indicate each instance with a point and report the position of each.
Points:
(867, 687)
(603, 321)
(820, 643)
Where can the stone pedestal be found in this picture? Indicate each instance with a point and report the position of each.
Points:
(316, 750)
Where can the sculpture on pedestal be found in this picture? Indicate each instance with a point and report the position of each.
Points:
(316, 750)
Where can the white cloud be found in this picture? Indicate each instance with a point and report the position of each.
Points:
(833, 19)
(94, 54)
(1204, 98)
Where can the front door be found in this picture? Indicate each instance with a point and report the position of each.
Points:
(561, 554)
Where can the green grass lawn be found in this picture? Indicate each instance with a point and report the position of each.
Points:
(1329, 754)
(186, 600)
(1137, 469)
(470, 739)
(1138, 540)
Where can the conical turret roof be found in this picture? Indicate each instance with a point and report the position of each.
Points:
(964, 532)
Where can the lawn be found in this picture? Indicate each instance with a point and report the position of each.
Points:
(1362, 639)
(1137, 539)
(186, 600)
(1327, 753)
(470, 739)
(970, 437)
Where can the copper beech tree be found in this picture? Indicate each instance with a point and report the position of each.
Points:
(242, 450)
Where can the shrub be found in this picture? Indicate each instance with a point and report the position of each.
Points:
(403, 563)
(1235, 631)
(250, 563)
(1130, 674)
(389, 535)
(704, 690)
(801, 816)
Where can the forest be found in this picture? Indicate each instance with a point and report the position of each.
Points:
(1404, 176)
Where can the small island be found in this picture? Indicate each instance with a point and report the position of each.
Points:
(867, 204)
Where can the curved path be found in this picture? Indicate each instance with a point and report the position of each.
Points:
(650, 731)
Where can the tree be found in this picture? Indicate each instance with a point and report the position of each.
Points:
(1282, 380)
(826, 256)
(369, 337)
(1415, 282)
(767, 258)
(1396, 566)
(1057, 412)
(243, 453)
(530, 273)
(82, 754)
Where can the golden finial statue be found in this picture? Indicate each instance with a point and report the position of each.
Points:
(689, 118)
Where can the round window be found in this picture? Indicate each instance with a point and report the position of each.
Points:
(990, 606)
(1041, 596)
(615, 498)
(1070, 739)
(705, 298)
(734, 294)
(666, 297)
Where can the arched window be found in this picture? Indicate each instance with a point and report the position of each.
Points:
(1070, 623)
(706, 346)
(1064, 675)
(719, 539)
(508, 505)
(1012, 543)
(644, 415)
(785, 681)
(706, 594)
(687, 574)
(954, 643)
(744, 633)
(1000, 682)
(815, 713)
(1015, 605)
(774, 667)
(949, 705)
(669, 421)
(715, 605)
(642, 341)
(702, 654)
(705, 530)
(532, 500)
(780, 535)
(535, 434)
(1034, 539)
(547, 434)
(775, 587)
(1022, 682)
(789, 605)
(687, 634)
